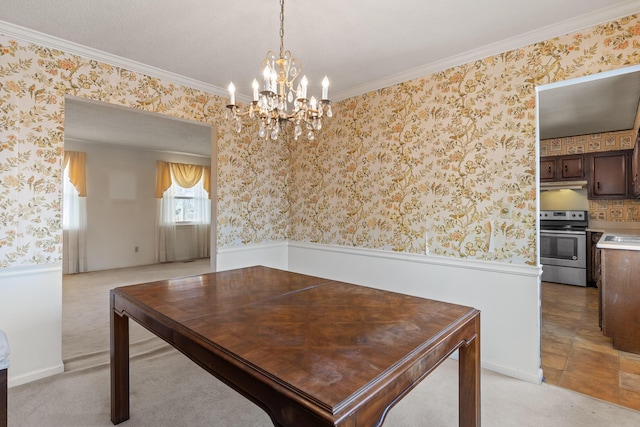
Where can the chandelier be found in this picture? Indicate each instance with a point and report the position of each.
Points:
(280, 101)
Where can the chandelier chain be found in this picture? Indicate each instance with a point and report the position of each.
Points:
(281, 28)
(280, 102)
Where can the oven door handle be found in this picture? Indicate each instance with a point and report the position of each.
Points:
(562, 232)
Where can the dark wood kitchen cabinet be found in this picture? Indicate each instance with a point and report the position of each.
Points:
(620, 298)
(571, 167)
(609, 175)
(635, 169)
(562, 168)
(547, 169)
(593, 258)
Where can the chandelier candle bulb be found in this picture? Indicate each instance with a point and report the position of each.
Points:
(274, 81)
(304, 83)
(267, 78)
(325, 88)
(255, 87)
(313, 102)
(232, 94)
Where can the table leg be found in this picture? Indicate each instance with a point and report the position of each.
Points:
(469, 378)
(119, 366)
(3, 397)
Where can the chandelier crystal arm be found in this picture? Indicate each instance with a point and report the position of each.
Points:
(281, 102)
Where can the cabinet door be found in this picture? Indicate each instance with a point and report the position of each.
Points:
(620, 298)
(571, 167)
(547, 168)
(593, 258)
(635, 169)
(609, 175)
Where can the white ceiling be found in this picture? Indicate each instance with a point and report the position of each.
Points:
(102, 123)
(605, 102)
(361, 45)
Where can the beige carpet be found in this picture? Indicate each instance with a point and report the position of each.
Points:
(85, 311)
(167, 389)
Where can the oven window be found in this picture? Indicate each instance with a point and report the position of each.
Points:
(567, 247)
(559, 246)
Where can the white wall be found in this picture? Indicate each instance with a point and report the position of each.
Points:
(274, 255)
(121, 207)
(31, 316)
(508, 296)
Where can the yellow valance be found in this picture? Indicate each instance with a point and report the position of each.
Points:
(185, 175)
(76, 161)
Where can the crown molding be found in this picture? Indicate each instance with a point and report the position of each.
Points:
(549, 32)
(562, 28)
(32, 36)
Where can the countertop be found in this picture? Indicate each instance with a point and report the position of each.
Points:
(624, 239)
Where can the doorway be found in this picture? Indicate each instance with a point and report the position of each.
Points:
(574, 353)
(121, 221)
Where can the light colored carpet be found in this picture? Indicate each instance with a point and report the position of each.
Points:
(167, 389)
(85, 311)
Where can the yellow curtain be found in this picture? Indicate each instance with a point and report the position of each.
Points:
(185, 175)
(76, 161)
(207, 180)
(163, 178)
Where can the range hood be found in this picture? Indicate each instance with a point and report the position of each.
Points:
(563, 185)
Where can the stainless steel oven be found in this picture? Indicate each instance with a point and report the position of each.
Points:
(563, 247)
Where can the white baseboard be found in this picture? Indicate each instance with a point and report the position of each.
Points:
(36, 375)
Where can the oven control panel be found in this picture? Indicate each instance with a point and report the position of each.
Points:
(564, 215)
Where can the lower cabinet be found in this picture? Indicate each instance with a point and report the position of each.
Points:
(593, 259)
(620, 293)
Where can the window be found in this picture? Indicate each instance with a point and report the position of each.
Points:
(190, 205)
(183, 194)
(185, 205)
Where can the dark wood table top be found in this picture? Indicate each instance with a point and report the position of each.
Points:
(328, 345)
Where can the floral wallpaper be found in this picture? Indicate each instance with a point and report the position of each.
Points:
(34, 81)
(425, 165)
(430, 164)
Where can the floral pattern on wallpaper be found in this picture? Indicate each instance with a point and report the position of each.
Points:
(426, 165)
(430, 164)
(34, 81)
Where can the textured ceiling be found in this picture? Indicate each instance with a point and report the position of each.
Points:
(361, 45)
(606, 102)
(101, 123)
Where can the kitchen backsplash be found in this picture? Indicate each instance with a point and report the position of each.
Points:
(599, 210)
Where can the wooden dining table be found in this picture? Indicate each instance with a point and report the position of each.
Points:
(308, 350)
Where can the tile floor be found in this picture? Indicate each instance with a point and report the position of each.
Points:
(575, 354)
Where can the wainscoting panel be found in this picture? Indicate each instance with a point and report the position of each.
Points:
(272, 255)
(31, 316)
(507, 295)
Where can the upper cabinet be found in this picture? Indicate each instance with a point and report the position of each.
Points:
(562, 168)
(609, 175)
(571, 167)
(547, 169)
